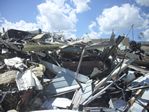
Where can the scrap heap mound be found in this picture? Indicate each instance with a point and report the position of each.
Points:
(42, 72)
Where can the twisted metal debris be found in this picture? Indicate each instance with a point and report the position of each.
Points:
(42, 72)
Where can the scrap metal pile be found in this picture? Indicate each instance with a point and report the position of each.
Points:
(42, 72)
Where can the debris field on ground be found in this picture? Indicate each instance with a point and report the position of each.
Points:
(44, 72)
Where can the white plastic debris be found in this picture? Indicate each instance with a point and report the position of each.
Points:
(59, 102)
(12, 110)
(56, 103)
(27, 80)
(15, 62)
(4, 51)
(130, 77)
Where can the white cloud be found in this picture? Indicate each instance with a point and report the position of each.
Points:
(54, 15)
(92, 26)
(60, 15)
(1, 21)
(146, 15)
(92, 34)
(81, 5)
(145, 34)
(143, 2)
(21, 25)
(120, 18)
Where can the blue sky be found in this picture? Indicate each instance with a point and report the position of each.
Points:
(77, 18)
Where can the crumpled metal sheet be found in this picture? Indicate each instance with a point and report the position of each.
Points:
(60, 71)
(27, 80)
